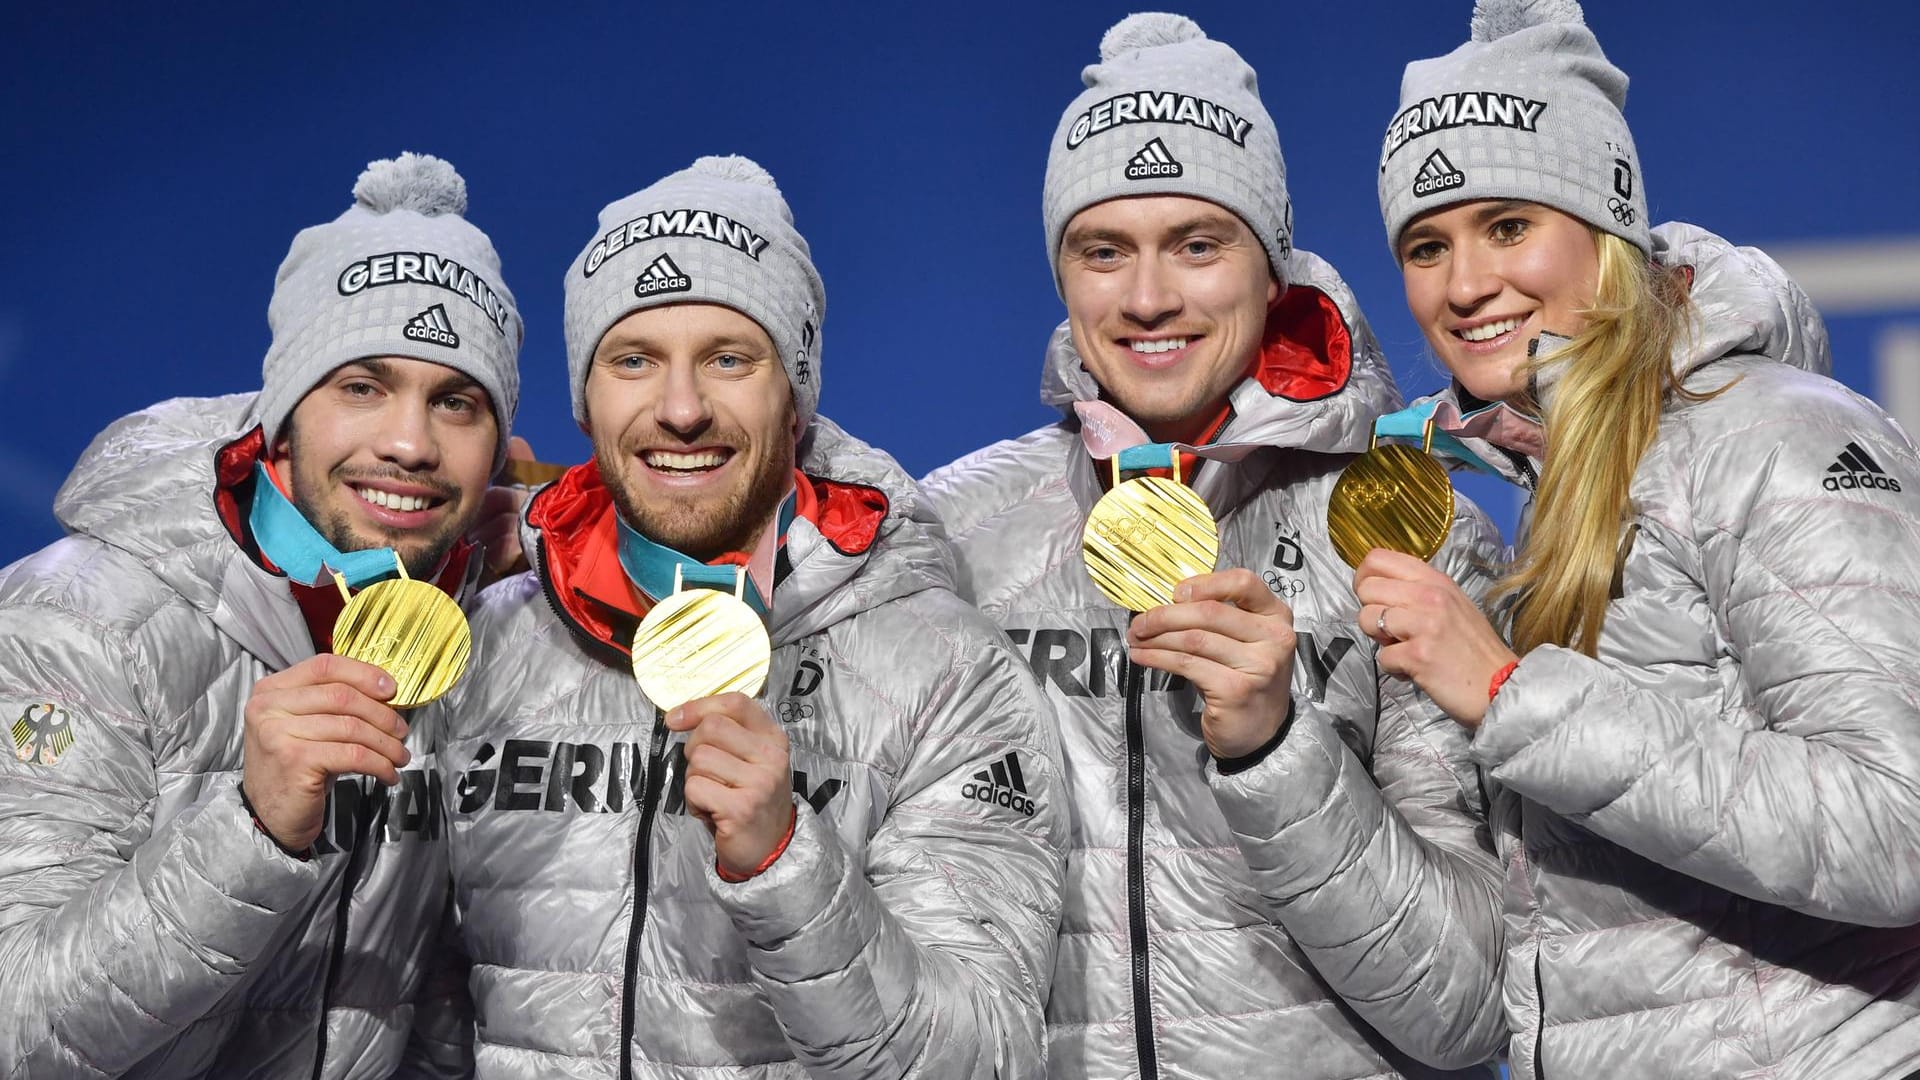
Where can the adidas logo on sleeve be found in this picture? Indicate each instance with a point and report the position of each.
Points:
(432, 325)
(1001, 784)
(660, 276)
(1856, 468)
(1437, 174)
(1153, 160)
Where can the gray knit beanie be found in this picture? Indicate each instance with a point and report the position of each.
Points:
(401, 273)
(716, 232)
(1529, 108)
(1169, 111)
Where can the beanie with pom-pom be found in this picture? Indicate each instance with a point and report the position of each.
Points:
(401, 273)
(1529, 108)
(716, 232)
(1169, 111)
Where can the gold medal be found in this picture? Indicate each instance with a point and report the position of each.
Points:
(1146, 536)
(1392, 497)
(700, 642)
(531, 473)
(408, 629)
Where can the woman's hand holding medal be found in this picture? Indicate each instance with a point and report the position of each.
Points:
(1430, 631)
(1229, 636)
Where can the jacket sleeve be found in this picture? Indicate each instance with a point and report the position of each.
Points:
(114, 936)
(1382, 870)
(1798, 784)
(933, 958)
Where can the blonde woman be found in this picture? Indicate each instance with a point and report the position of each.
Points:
(1702, 727)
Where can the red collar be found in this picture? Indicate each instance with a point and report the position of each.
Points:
(580, 565)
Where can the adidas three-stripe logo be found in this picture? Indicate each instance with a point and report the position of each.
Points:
(1855, 468)
(1153, 160)
(1437, 174)
(661, 275)
(1001, 784)
(432, 325)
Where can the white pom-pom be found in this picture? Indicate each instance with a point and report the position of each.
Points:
(736, 168)
(1495, 19)
(1146, 30)
(418, 182)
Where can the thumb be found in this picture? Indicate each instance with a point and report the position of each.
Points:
(519, 449)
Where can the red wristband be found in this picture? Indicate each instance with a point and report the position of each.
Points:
(1500, 679)
(779, 849)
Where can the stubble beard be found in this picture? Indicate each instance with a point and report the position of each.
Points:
(421, 554)
(736, 525)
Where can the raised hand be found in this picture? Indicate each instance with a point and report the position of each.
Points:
(497, 530)
(739, 781)
(1229, 636)
(324, 717)
(1430, 631)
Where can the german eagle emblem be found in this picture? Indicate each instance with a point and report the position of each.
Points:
(42, 734)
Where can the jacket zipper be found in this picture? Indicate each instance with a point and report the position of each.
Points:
(642, 866)
(363, 836)
(649, 806)
(1137, 875)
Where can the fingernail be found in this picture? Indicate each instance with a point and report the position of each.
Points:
(673, 714)
(386, 684)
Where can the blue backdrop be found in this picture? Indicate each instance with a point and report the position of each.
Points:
(157, 160)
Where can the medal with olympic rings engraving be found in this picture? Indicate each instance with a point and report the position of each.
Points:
(1146, 536)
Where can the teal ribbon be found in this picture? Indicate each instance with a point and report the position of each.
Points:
(650, 566)
(1153, 455)
(286, 537)
(1413, 423)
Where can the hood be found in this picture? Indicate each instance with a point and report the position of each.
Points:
(1320, 381)
(908, 554)
(1744, 304)
(146, 485)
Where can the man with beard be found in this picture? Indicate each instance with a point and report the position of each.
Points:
(220, 848)
(859, 876)
(1277, 853)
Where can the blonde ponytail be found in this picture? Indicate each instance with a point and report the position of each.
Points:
(1604, 412)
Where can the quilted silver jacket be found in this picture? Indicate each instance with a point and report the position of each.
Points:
(147, 929)
(1330, 913)
(908, 929)
(1712, 831)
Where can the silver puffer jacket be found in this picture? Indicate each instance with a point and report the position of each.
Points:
(906, 931)
(147, 929)
(1330, 913)
(1712, 831)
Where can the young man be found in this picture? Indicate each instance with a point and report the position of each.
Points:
(859, 878)
(197, 876)
(1278, 859)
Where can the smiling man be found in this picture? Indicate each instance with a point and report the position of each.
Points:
(1277, 854)
(221, 849)
(854, 874)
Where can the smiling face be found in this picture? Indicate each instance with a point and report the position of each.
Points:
(1168, 299)
(693, 426)
(1484, 278)
(390, 452)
